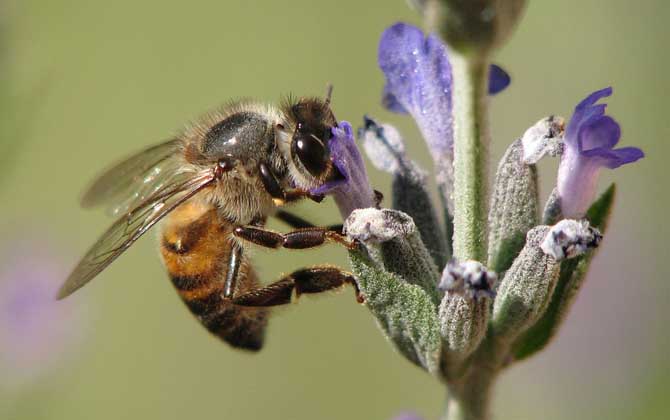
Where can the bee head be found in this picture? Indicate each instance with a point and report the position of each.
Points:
(312, 122)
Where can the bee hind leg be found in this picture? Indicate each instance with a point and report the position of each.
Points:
(310, 280)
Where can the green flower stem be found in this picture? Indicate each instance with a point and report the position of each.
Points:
(471, 139)
(474, 405)
(469, 396)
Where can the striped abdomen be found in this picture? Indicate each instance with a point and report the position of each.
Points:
(196, 248)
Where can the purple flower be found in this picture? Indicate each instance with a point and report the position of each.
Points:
(589, 140)
(354, 191)
(36, 331)
(408, 416)
(419, 81)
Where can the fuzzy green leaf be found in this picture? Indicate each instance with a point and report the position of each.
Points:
(404, 311)
(572, 276)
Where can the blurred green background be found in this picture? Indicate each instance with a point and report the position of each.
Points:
(87, 82)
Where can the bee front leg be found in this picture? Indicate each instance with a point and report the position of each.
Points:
(310, 280)
(298, 239)
(278, 194)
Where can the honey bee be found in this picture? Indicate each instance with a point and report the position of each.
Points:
(215, 185)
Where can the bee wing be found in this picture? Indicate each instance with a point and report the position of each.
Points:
(131, 181)
(132, 225)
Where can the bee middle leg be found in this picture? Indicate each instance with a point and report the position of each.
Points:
(310, 280)
(298, 239)
(300, 223)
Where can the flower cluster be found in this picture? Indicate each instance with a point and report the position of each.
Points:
(478, 316)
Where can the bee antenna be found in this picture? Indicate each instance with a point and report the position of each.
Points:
(329, 93)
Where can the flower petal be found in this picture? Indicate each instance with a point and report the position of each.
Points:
(390, 102)
(418, 76)
(354, 191)
(499, 79)
(594, 97)
(586, 111)
(602, 132)
(614, 158)
(589, 140)
(384, 146)
(419, 82)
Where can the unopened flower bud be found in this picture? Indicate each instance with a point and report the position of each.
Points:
(570, 238)
(398, 279)
(514, 207)
(465, 308)
(473, 25)
(543, 138)
(469, 279)
(392, 239)
(526, 289)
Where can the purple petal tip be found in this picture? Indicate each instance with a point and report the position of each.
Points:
(499, 79)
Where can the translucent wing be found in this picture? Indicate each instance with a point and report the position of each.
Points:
(134, 179)
(127, 229)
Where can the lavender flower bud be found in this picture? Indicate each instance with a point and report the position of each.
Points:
(397, 279)
(514, 207)
(469, 279)
(465, 308)
(570, 238)
(473, 26)
(393, 241)
(525, 290)
(572, 276)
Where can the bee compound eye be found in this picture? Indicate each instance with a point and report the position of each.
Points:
(311, 152)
